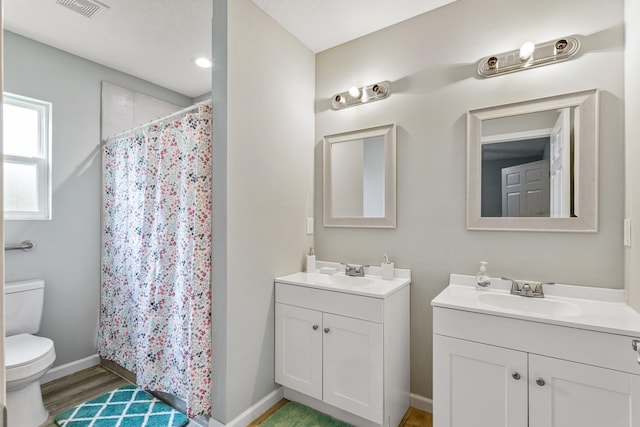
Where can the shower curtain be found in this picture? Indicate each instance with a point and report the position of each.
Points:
(155, 314)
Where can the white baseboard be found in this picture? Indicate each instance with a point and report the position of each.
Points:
(422, 403)
(70, 368)
(253, 412)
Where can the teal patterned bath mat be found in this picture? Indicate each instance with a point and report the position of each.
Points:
(293, 414)
(127, 406)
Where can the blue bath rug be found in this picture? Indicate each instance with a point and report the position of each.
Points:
(127, 406)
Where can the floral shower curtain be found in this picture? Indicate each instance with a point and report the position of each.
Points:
(155, 314)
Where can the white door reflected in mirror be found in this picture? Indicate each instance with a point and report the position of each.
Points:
(533, 165)
(528, 172)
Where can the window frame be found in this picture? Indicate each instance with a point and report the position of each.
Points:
(42, 161)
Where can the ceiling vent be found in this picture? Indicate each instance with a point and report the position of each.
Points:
(86, 8)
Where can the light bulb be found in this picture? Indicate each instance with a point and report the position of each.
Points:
(355, 92)
(203, 62)
(526, 50)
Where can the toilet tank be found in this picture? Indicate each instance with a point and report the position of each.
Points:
(23, 306)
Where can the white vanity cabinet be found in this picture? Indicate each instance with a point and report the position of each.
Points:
(482, 385)
(299, 349)
(497, 367)
(475, 384)
(563, 393)
(332, 358)
(344, 353)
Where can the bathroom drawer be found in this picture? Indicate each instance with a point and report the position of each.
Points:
(356, 306)
(580, 345)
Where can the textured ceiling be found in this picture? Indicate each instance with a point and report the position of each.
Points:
(323, 24)
(156, 40)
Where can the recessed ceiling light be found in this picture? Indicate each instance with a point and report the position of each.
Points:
(203, 62)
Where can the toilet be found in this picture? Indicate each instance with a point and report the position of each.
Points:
(27, 357)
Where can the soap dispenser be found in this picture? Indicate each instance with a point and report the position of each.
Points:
(482, 279)
(387, 269)
(311, 261)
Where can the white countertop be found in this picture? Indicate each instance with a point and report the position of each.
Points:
(371, 285)
(597, 309)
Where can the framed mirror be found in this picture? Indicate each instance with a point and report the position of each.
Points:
(533, 165)
(359, 177)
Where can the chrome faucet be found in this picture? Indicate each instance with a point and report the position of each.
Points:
(538, 288)
(526, 290)
(354, 270)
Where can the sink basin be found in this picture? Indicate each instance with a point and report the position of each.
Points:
(541, 306)
(340, 280)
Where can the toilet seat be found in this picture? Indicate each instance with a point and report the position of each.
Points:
(27, 355)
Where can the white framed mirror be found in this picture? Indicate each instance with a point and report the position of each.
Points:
(533, 165)
(359, 177)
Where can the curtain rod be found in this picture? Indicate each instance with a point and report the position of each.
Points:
(156, 121)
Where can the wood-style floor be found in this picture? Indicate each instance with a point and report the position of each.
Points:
(77, 388)
(413, 418)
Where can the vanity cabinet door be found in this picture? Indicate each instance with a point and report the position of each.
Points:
(299, 349)
(353, 366)
(478, 385)
(568, 394)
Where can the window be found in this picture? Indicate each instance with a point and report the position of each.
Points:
(27, 152)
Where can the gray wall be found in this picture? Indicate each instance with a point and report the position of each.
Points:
(67, 256)
(430, 61)
(3, 388)
(263, 94)
(632, 153)
(373, 191)
(347, 178)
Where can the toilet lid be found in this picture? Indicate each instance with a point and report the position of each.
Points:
(24, 348)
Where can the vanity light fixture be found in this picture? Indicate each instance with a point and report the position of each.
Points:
(526, 50)
(529, 56)
(361, 95)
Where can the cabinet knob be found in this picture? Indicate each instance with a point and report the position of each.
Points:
(315, 327)
(326, 330)
(516, 376)
(540, 382)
